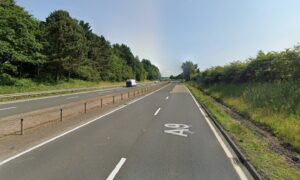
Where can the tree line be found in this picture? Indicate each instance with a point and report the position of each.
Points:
(60, 48)
(265, 67)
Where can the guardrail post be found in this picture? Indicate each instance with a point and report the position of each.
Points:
(128, 95)
(22, 126)
(85, 108)
(61, 114)
(101, 102)
(113, 99)
(122, 97)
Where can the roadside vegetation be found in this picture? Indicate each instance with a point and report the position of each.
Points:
(269, 164)
(35, 54)
(27, 85)
(273, 106)
(264, 89)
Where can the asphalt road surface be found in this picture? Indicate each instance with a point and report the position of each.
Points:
(161, 136)
(12, 108)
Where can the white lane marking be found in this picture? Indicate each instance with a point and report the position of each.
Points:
(167, 97)
(103, 92)
(157, 111)
(74, 129)
(178, 129)
(237, 168)
(116, 170)
(73, 97)
(7, 108)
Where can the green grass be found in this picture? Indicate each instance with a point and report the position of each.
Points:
(275, 106)
(269, 164)
(27, 85)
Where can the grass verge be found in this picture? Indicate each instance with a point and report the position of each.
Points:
(67, 87)
(268, 164)
(273, 106)
(27, 85)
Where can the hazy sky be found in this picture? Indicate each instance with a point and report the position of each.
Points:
(168, 32)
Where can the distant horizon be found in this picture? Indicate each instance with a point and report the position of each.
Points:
(209, 33)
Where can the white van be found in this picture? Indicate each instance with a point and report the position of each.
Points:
(130, 83)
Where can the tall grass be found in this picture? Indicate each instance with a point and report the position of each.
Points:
(269, 164)
(273, 105)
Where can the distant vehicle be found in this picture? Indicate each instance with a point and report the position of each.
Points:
(130, 83)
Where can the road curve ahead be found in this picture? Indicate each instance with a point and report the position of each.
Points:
(162, 136)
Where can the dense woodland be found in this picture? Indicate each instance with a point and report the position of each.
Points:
(61, 48)
(265, 67)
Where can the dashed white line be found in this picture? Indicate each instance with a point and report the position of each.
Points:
(167, 97)
(157, 111)
(74, 129)
(7, 108)
(116, 170)
(73, 97)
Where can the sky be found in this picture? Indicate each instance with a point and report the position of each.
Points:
(169, 32)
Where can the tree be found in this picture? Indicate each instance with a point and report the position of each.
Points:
(125, 53)
(6, 3)
(189, 69)
(140, 72)
(67, 43)
(20, 48)
(99, 52)
(178, 77)
(61, 47)
(152, 71)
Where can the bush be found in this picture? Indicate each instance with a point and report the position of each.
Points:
(265, 67)
(6, 80)
(87, 73)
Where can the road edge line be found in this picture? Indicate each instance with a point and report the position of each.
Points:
(8, 108)
(228, 153)
(77, 127)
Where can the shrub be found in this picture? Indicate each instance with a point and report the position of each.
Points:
(6, 80)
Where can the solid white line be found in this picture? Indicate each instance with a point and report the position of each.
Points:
(101, 92)
(167, 97)
(8, 108)
(116, 170)
(74, 129)
(237, 168)
(73, 97)
(157, 111)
